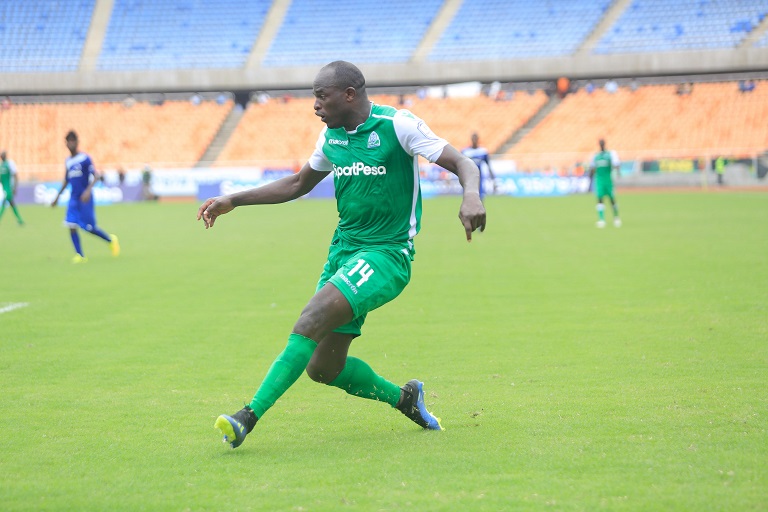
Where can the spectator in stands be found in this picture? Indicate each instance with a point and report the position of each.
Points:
(6, 104)
(81, 176)
(10, 182)
(600, 171)
(720, 170)
(195, 99)
(482, 160)
(494, 89)
(590, 87)
(421, 93)
(746, 85)
(633, 85)
(146, 184)
(611, 86)
(369, 260)
(563, 87)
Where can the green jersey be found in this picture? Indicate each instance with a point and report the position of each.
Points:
(376, 174)
(7, 169)
(603, 163)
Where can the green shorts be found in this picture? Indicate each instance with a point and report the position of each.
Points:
(368, 277)
(8, 192)
(603, 188)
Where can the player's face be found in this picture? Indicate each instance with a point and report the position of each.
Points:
(72, 145)
(331, 104)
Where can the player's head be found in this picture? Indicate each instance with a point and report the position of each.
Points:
(602, 144)
(2, 156)
(71, 140)
(340, 96)
(475, 140)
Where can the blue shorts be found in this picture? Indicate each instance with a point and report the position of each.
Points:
(81, 214)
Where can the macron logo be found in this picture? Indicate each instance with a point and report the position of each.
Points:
(338, 142)
(358, 168)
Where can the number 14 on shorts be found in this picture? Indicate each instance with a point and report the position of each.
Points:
(363, 269)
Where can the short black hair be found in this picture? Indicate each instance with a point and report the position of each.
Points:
(71, 135)
(347, 75)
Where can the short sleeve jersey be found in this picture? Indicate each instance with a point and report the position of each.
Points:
(603, 162)
(7, 170)
(79, 172)
(376, 174)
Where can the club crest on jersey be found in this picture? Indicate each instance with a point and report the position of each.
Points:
(373, 140)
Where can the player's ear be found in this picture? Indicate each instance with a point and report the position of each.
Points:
(350, 93)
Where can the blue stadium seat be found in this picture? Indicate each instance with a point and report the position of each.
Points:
(43, 35)
(660, 25)
(361, 31)
(510, 29)
(179, 34)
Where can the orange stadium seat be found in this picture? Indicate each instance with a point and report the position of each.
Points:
(652, 122)
(283, 134)
(174, 134)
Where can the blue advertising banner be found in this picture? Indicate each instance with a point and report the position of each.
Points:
(45, 193)
(521, 185)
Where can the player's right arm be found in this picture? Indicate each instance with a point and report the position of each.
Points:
(280, 191)
(63, 186)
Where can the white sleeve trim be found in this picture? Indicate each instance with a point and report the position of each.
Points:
(416, 138)
(318, 161)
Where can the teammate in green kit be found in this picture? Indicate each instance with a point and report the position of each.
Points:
(9, 181)
(600, 170)
(372, 150)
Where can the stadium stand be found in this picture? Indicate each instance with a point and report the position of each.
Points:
(363, 31)
(662, 26)
(177, 34)
(654, 121)
(283, 134)
(508, 29)
(192, 44)
(280, 133)
(43, 35)
(171, 134)
(763, 42)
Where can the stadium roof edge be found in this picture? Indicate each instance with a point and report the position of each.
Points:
(384, 75)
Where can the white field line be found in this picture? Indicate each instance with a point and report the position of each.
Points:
(12, 306)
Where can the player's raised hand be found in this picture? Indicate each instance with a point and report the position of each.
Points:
(472, 215)
(212, 208)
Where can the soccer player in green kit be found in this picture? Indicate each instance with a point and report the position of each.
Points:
(600, 170)
(372, 151)
(9, 182)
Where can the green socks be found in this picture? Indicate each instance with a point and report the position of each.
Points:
(600, 211)
(359, 379)
(286, 369)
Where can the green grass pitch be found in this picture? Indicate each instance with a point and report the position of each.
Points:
(574, 369)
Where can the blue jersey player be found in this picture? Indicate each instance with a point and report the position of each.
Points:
(479, 155)
(81, 176)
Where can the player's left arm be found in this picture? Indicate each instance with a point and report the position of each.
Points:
(417, 139)
(472, 212)
(14, 176)
(92, 179)
(490, 171)
(615, 162)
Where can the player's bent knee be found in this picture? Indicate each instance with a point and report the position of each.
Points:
(321, 374)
